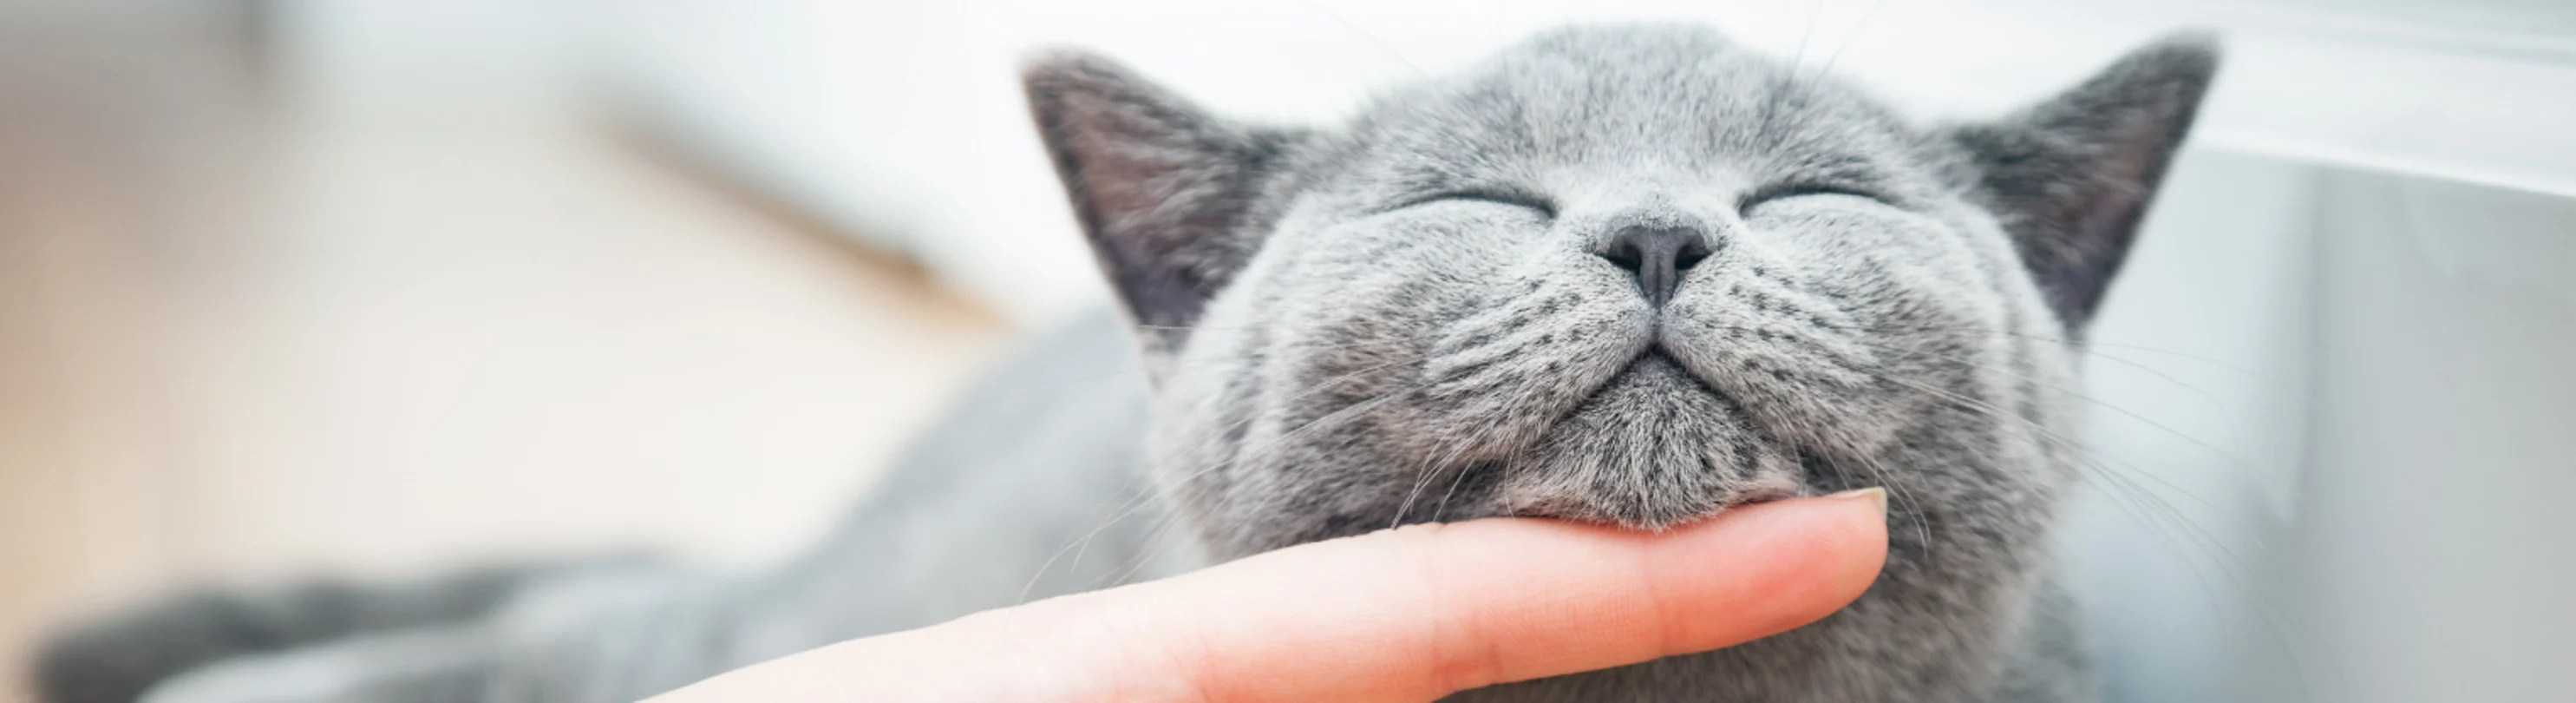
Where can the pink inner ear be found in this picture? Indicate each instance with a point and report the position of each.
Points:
(2072, 177)
(1119, 184)
(1157, 183)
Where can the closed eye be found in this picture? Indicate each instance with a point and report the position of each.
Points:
(1511, 198)
(1786, 191)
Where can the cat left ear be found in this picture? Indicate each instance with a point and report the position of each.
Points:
(1163, 190)
(2071, 177)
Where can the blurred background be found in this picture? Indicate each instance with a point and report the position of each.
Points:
(386, 286)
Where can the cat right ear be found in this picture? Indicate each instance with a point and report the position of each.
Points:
(1163, 190)
(2071, 177)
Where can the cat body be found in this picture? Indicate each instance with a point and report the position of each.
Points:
(1632, 275)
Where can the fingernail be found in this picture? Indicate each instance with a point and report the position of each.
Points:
(1877, 496)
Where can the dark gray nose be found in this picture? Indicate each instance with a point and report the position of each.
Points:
(1657, 255)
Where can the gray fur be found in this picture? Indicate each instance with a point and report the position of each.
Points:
(1418, 317)
(115, 659)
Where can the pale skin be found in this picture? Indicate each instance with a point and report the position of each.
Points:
(1403, 615)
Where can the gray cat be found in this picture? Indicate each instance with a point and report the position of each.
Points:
(1631, 275)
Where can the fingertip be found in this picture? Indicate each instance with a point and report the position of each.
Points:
(1861, 543)
(1847, 545)
(1859, 533)
(1877, 497)
(1763, 569)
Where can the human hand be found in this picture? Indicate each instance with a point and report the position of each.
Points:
(1404, 615)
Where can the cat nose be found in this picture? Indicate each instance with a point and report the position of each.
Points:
(1657, 255)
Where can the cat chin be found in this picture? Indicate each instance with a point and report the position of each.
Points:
(1653, 448)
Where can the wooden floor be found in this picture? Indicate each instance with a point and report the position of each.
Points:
(239, 340)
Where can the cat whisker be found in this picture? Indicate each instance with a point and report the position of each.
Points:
(1136, 505)
(1896, 489)
(1373, 39)
(1145, 492)
(1454, 482)
(2215, 406)
(1447, 462)
(2160, 517)
(1857, 28)
(2090, 348)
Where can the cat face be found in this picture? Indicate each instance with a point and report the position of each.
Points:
(1626, 275)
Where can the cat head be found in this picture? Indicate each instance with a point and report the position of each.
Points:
(1631, 275)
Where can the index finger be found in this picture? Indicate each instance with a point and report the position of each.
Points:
(1404, 615)
(1419, 613)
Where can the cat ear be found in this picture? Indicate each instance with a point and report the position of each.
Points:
(1163, 190)
(2070, 178)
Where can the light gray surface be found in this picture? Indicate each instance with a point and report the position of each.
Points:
(2434, 550)
(2196, 380)
(2343, 399)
